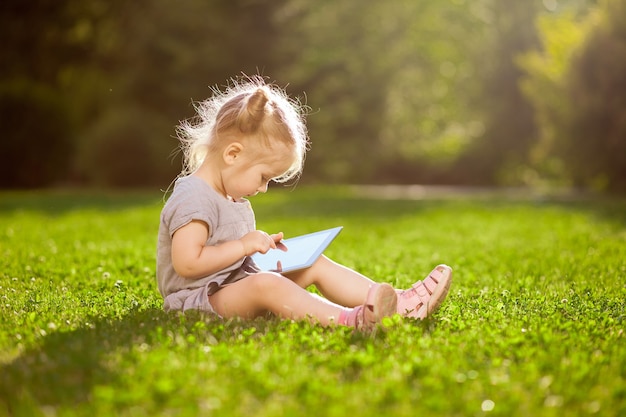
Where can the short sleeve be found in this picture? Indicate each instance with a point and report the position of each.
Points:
(186, 205)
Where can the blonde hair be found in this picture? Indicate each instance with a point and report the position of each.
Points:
(247, 108)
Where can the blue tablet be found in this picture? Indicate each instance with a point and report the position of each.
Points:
(302, 251)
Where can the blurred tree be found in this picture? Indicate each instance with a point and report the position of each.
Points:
(121, 150)
(42, 41)
(35, 147)
(44, 37)
(577, 83)
(594, 143)
(380, 78)
(167, 55)
(507, 115)
(402, 91)
(544, 83)
(429, 119)
(103, 56)
(335, 53)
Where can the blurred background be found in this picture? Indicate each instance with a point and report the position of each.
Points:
(463, 92)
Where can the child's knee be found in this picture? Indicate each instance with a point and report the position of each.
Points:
(322, 265)
(265, 282)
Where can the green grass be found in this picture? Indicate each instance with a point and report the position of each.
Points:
(533, 326)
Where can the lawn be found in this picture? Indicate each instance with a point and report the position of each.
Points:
(533, 326)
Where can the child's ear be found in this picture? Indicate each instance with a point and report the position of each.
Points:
(232, 152)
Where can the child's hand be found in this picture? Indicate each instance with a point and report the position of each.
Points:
(259, 241)
(278, 239)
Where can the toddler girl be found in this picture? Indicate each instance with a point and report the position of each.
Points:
(242, 139)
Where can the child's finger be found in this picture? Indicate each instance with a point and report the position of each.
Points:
(279, 267)
(277, 237)
(272, 243)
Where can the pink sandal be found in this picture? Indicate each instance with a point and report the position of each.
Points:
(381, 302)
(425, 296)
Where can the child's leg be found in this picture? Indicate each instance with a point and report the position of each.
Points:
(336, 282)
(348, 288)
(260, 293)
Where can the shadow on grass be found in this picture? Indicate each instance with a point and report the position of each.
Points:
(68, 365)
(66, 370)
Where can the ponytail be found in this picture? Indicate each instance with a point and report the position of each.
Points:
(253, 112)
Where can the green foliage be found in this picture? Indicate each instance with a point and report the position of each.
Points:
(595, 145)
(37, 149)
(545, 85)
(400, 92)
(507, 117)
(384, 87)
(534, 323)
(126, 149)
(576, 85)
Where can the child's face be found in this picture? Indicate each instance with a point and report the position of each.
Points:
(252, 171)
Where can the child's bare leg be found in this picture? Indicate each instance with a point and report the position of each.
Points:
(263, 292)
(336, 282)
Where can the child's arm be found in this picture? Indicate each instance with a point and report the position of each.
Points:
(192, 259)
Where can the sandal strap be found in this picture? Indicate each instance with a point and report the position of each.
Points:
(430, 282)
(417, 300)
(424, 289)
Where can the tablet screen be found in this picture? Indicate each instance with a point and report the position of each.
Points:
(302, 251)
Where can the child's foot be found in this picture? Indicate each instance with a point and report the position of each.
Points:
(381, 302)
(425, 296)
